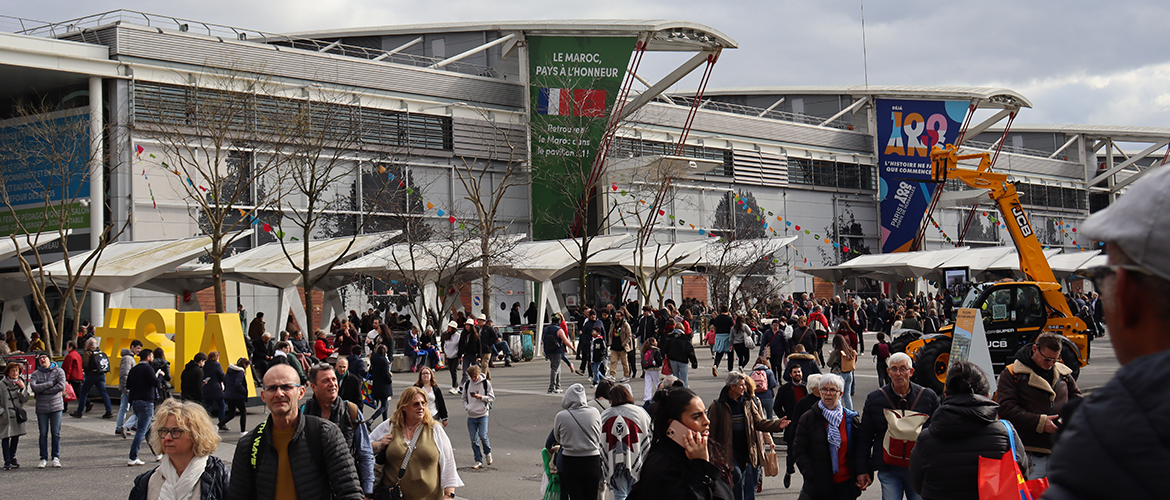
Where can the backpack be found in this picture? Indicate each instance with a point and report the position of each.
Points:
(902, 428)
(760, 377)
(652, 359)
(99, 362)
(552, 340)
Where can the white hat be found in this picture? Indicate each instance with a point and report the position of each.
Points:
(481, 317)
(453, 324)
(1137, 222)
(469, 321)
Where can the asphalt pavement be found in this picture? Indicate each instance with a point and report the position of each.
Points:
(94, 459)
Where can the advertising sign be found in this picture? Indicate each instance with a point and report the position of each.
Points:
(44, 161)
(969, 341)
(574, 83)
(907, 130)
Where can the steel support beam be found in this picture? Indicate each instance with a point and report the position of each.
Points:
(473, 51)
(770, 108)
(1146, 152)
(850, 108)
(1070, 142)
(985, 124)
(645, 97)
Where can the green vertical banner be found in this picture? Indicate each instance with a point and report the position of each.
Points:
(574, 83)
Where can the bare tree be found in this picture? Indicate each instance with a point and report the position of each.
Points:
(324, 155)
(220, 143)
(46, 163)
(487, 179)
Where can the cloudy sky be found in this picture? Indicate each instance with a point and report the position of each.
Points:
(1079, 61)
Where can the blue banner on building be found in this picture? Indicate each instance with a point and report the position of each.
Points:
(906, 132)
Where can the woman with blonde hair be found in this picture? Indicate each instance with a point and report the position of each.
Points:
(185, 434)
(416, 454)
(842, 361)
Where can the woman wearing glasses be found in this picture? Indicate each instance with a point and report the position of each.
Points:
(825, 447)
(187, 437)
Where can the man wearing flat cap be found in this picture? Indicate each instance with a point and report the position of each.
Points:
(1115, 444)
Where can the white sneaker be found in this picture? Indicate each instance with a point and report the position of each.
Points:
(489, 458)
(42, 464)
(132, 463)
(453, 390)
(158, 458)
(56, 463)
(478, 465)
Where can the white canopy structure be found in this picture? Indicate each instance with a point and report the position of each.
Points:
(1068, 264)
(123, 265)
(270, 265)
(928, 264)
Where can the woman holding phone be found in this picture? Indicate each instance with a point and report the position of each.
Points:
(680, 464)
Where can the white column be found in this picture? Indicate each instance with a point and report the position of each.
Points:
(97, 189)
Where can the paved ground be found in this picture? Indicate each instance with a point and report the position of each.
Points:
(95, 459)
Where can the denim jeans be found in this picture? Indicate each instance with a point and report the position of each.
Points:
(477, 428)
(123, 407)
(621, 482)
(503, 347)
(595, 369)
(744, 482)
(679, 369)
(383, 410)
(144, 410)
(767, 400)
(895, 482)
(9, 448)
(45, 423)
(847, 393)
(93, 380)
(1039, 466)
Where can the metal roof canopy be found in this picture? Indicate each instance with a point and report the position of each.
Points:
(268, 263)
(988, 97)
(542, 261)
(123, 265)
(667, 35)
(1090, 139)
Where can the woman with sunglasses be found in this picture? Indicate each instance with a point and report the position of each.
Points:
(187, 437)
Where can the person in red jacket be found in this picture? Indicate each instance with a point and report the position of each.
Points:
(74, 375)
(320, 348)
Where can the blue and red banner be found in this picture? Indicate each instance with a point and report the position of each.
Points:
(906, 132)
(571, 102)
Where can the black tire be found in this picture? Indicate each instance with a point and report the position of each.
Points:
(931, 368)
(1068, 356)
(901, 341)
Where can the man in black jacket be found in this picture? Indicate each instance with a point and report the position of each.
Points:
(192, 379)
(326, 404)
(141, 386)
(905, 395)
(680, 351)
(785, 407)
(1114, 445)
(266, 458)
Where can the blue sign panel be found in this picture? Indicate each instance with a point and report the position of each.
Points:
(906, 132)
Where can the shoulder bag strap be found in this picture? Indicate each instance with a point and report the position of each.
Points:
(916, 398)
(1011, 435)
(578, 422)
(888, 398)
(409, 452)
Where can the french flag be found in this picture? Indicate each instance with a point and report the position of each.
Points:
(571, 102)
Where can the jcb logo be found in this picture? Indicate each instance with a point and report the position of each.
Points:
(1022, 221)
(997, 344)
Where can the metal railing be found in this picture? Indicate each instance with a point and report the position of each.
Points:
(990, 146)
(740, 109)
(30, 27)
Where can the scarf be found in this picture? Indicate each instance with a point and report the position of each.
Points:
(176, 487)
(834, 417)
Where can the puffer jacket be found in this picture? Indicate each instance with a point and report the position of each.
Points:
(48, 384)
(945, 461)
(191, 382)
(317, 452)
(128, 363)
(810, 450)
(11, 397)
(679, 348)
(807, 363)
(721, 427)
(1120, 431)
(234, 385)
(1026, 398)
(213, 483)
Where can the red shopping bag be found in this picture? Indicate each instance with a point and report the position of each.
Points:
(1001, 479)
(665, 366)
(1036, 487)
